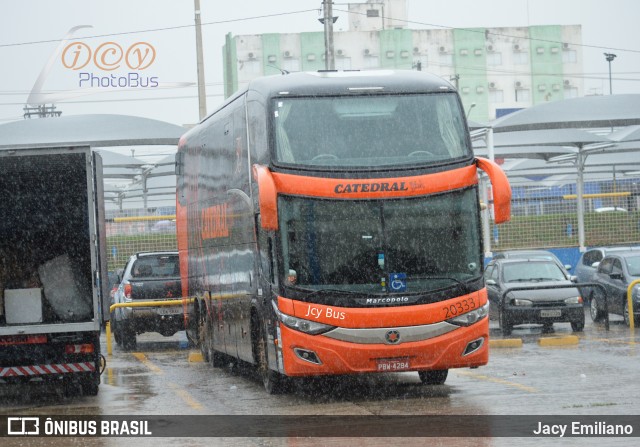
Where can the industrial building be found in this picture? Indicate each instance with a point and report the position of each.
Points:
(496, 70)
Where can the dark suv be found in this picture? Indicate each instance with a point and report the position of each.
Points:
(148, 277)
(616, 272)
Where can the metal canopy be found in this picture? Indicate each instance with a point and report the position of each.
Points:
(88, 130)
(99, 132)
(547, 119)
(586, 112)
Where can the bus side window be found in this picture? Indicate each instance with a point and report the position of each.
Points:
(265, 247)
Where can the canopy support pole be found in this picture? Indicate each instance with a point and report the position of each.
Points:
(581, 159)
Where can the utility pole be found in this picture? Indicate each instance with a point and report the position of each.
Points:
(329, 58)
(610, 57)
(202, 96)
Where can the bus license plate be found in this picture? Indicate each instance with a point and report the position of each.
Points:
(391, 365)
(551, 313)
(167, 310)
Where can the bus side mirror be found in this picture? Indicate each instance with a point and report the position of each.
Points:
(501, 189)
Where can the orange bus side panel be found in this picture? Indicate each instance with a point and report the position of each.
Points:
(339, 357)
(397, 316)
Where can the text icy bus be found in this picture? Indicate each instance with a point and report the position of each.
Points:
(329, 223)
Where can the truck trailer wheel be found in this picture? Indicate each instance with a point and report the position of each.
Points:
(91, 385)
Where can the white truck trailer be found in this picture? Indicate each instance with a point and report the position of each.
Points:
(52, 266)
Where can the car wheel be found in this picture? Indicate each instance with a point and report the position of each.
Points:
(115, 331)
(504, 323)
(577, 326)
(627, 321)
(129, 341)
(594, 309)
(433, 377)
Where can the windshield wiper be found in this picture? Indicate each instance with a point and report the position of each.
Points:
(313, 292)
(450, 278)
(545, 279)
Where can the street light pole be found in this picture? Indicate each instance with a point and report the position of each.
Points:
(610, 57)
(202, 96)
(329, 58)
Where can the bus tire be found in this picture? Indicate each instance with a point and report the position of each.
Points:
(437, 377)
(204, 335)
(273, 381)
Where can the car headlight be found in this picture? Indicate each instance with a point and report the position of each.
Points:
(469, 318)
(574, 300)
(300, 324)
(520, 302)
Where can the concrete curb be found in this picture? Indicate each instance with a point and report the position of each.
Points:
(195, 356)
(566, 340)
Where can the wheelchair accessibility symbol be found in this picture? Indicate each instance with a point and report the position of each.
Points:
(398, 282)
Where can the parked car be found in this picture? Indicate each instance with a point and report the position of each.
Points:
(589, 260)
(608, 209)
(148, 276)
(615, 273)
(530, 254)
(533, 306)
(113, 281)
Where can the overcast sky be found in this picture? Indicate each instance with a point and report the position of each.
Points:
(30, 31)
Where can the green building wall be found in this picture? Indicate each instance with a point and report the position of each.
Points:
(471, 69)
(271, 47)
(399, 43)
(230, 71)
(312, 43)
(546, 65)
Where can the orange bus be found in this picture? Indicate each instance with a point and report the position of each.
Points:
(329, 223)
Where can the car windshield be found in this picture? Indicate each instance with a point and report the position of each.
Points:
(532, 271)
(160, 266)
(369, 131)
(406, 245)
(633, 265)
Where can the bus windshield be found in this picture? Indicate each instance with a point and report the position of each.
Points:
(369, 131)
(426, 243)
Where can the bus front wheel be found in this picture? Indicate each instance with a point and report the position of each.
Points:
(273, 381)
(433, 377)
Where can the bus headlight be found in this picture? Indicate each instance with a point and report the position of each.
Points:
(300, 324)
(472, 317)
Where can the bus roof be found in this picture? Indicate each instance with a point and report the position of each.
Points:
(348, 82)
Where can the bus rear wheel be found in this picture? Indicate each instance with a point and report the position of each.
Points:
(433, 377)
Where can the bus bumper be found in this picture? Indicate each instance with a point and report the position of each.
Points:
(309, 355)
